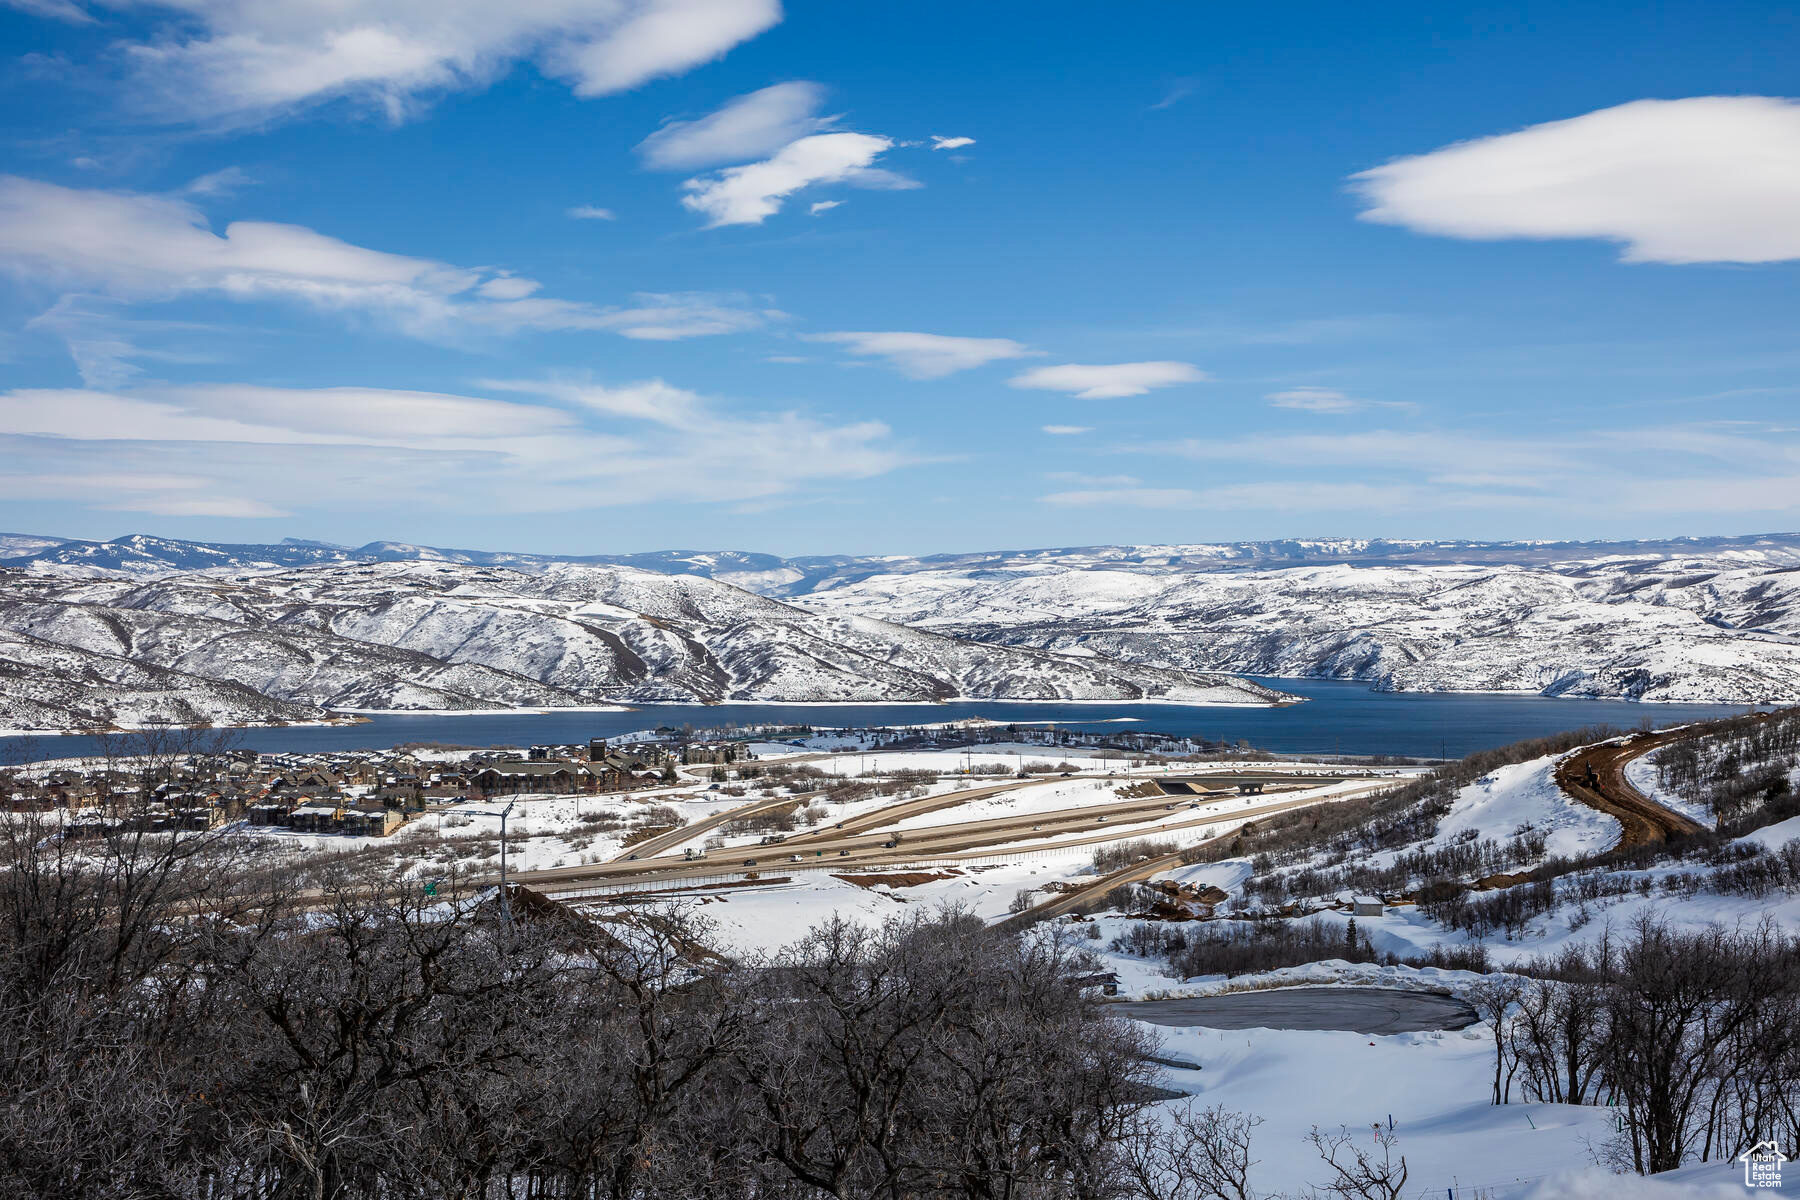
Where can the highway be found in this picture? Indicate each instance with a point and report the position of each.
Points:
(651, 847)
(1067, 902)
(841, 850)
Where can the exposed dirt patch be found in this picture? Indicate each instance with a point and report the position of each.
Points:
(898, 879)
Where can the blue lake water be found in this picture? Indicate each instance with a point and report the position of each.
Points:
(1338, 717)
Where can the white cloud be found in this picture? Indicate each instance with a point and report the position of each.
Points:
(107, 346)
(926, 355)
(1068, 430)
(950, 143)
(234, 61)
(1177, 91)
(1267, 496)
(1695, 469)
(145, 248)
(1097, 481)
(749, 127)
(750, 194)
(658, 38)
(1314, 399)
(672, 316)
(244, 450)
(1706, 179)
(508, 287)
(218, 183)
(62, 10)
(819, 206)
(1108, 381)
(589, 212)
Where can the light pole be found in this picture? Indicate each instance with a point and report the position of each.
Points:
(505, 896)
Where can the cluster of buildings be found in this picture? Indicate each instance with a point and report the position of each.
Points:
(367, 793)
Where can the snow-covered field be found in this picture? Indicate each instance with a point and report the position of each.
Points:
(1433, 1086)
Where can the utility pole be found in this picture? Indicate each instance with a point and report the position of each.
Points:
(505, 895)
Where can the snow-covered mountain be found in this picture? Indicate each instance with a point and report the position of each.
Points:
(1719, 626)
(1678, 619)
(290, 645)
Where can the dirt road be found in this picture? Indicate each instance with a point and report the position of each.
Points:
(1595, 776)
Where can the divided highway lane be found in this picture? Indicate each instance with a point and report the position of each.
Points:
(651, 847)
(1138, 872)
(892, 814)
(967, 840)
(1047, 824)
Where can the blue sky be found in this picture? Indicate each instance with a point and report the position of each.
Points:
(613, 275)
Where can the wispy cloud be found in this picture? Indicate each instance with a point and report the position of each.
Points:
(1314, 399)
(1108, 381)
(1177, 91)
(230, 63)
(246, 450)
(950, 143)
(749, 195)
(749, 127)
(591, 212)
(218, 183)
(926, 355)
(1606, 472)
(110, 348)
(133, 247)
(1706, 179)
(1330, 401)
(1067, 430)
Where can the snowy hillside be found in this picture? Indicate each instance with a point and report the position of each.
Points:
(1680, 619)
(1658, 629)
(291, 644)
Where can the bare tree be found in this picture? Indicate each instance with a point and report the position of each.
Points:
(1359, 1174)
(1494, 999)
(1196, 1154)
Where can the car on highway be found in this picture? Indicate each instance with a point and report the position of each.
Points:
(793, 858)
(889, 845)
(749, 862)
(843, 853)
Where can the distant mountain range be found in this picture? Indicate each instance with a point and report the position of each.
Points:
(140, 627)
(146, 555)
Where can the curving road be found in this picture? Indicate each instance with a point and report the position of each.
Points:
(1595, 776)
